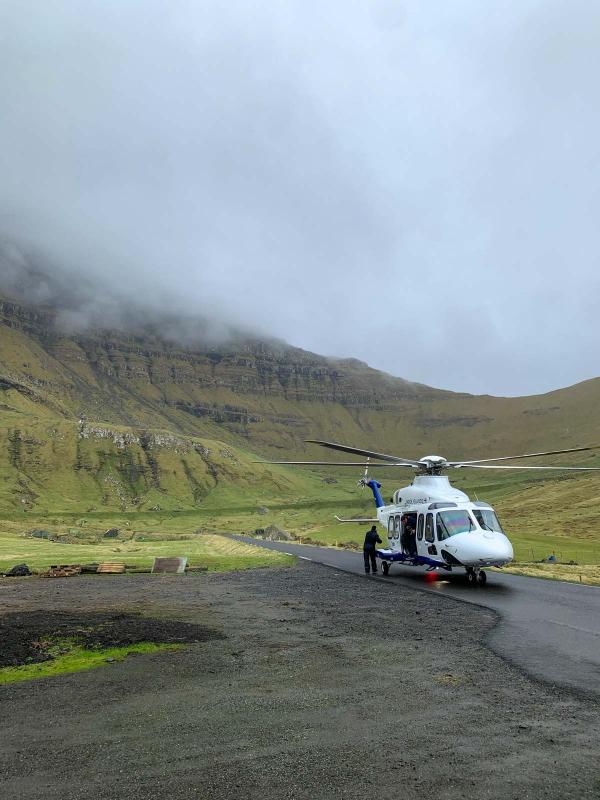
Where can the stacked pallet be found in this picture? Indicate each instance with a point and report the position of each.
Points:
(111, 568)
(62, 571)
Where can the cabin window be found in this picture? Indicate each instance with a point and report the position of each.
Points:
(449, 523)
(429, 528)
(397, 522)
(420, 527)
(487, 520)
(390, 527)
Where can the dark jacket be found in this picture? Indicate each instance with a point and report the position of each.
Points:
(371, 539)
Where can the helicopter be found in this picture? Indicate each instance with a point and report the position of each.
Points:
(430, 523)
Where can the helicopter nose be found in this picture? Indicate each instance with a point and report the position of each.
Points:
(496, 550)
(503, 549)
(487, 549)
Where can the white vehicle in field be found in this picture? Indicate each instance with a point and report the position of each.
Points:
(432, 524)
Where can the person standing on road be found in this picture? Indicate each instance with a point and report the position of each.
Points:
(371, 540)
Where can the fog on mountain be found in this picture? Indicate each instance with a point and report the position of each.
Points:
(410, 186)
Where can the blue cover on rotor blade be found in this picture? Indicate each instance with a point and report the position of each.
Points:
(412, 561)
(375, 487)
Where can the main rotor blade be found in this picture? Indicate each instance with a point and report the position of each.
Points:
(336, 463)
(504, 466)
(344, 448)
(525, 455)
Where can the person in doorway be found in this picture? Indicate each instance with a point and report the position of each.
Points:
(411, 539)
(405, 535)
(369, 547)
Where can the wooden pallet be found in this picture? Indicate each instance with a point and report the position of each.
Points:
(111, 568)
(62, 571)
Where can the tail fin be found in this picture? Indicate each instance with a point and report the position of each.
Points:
(374, 486)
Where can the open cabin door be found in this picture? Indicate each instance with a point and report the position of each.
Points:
(393, 531)
(426, 535)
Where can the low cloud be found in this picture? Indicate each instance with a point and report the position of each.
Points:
(81, 303)
(409, 185)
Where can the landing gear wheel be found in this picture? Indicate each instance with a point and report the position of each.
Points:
(471, 577)
(482, 578)
(385, 567)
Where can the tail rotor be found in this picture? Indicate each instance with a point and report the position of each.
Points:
(363, 481)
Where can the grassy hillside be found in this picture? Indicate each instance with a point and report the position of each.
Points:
(67, 466)
(111, 429)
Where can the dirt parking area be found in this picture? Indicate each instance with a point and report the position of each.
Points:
(325, 685)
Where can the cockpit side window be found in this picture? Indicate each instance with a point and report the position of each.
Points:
(487, 520)
(429, 528)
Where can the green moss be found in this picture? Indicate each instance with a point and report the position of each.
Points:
(76, 659)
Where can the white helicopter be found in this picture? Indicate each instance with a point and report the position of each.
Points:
(430, 523)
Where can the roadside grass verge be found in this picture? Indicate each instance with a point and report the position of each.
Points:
(588, 574)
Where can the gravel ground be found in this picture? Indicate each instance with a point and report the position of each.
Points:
(326, 685)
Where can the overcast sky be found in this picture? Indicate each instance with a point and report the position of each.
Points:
(415, 183)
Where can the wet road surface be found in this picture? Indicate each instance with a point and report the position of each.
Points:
(549, 628)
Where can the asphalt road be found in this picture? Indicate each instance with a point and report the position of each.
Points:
(548, 628)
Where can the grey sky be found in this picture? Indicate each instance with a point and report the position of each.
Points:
(413, 183)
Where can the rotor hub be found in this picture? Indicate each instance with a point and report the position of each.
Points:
(433, 465)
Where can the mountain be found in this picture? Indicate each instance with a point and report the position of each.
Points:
(108, 418)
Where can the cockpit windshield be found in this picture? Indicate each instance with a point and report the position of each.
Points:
(449, 523)
(487, 520)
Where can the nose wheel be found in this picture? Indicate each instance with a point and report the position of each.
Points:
(476, 576)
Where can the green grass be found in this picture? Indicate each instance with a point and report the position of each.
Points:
(578, 573)
(76, 659)
(218, 553)
(541, 517)
(93, 484)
